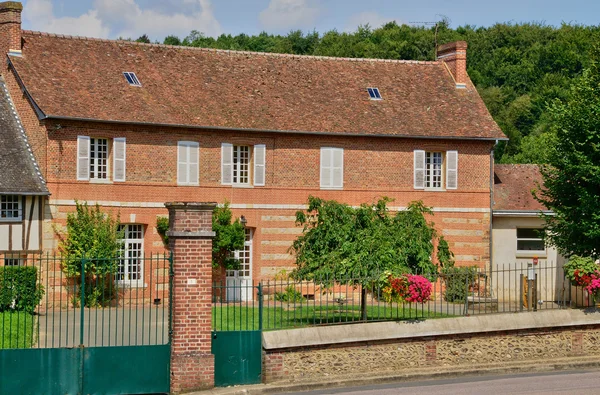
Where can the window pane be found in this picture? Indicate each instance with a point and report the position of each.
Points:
(529, 233)
(530, 245)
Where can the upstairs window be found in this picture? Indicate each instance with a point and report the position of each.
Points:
(332, 167)
(435, 169)
(131, 78)
(374, 93)
(188, 155)
(10, 208)
(243, 165)
(93, 158)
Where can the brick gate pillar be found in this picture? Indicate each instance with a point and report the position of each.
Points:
(190, 240)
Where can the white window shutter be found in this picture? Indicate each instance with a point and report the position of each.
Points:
(260, 151)
(226, 164)
(119, 163)
(451, 169)
(325, 167)
(83, 158)
(419, 169)
(182, 163)
(194, 162)
(337, 178)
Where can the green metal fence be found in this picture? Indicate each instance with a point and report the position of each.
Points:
(290, 303)
(85, 325)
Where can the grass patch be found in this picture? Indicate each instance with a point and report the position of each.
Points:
(236, 317)
(17, 330)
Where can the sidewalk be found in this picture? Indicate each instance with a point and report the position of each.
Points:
(433, 374)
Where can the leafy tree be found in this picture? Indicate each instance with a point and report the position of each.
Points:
(571, 181)
(93, 237)
(229, 236)
(355, 244)
(143, 39)
(172, 40)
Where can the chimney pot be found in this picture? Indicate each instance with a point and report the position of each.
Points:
(454, 55)
(10, 27)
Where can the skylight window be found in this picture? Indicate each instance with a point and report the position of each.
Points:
(132, 78)
(374, 93)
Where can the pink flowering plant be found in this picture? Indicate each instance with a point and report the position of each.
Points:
(410, 288)
(584, 272)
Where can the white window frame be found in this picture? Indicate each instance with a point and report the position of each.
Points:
(124, 259)
(93, 157)
(541, 252)
(430, 170)
(331, 168)
(5, 201)
(236, 165)
(188, 146)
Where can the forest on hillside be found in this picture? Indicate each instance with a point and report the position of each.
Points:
(518, 69)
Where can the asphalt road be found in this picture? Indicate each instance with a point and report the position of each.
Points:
(568, 382)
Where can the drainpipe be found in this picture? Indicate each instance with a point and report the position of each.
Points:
(491, 213)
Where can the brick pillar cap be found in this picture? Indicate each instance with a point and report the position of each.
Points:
(191, 206)
(453, 46)
(11, 6)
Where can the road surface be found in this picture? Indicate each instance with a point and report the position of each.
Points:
(566, 382)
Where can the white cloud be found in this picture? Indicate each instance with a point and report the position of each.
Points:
(374, 20)
(124, 18)
(289, 14)
(40, 15)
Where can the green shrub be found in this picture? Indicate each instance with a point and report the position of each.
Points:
(457, 281)
(584, 266)
(19, 289)
(291, 294)
(162, 227)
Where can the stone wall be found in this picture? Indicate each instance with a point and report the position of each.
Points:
(473, 350)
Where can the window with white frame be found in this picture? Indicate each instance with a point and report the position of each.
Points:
(332, 167)
(243, 165)
(93, 158)
(530, 239)
(130, 268)
(188, 155)
(12, 262)
(10, 208)
(435, 169)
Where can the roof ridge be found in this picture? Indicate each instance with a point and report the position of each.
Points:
(233, 52)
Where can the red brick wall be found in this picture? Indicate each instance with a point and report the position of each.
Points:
(192, 364)
(373, 167)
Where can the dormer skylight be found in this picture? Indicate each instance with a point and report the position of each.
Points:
(131, 78)
(374, 93)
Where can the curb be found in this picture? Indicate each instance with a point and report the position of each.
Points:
(422, 375)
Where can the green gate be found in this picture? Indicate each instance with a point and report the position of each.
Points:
(237, 334)
(104, 331)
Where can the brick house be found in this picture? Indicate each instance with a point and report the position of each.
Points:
(132, 126)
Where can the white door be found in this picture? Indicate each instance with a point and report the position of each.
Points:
(239, 282)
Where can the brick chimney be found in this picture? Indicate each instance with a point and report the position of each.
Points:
(10, 27)
(454, 55)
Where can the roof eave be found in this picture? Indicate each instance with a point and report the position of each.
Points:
(521, 213)
(203, 127)
(13, 193)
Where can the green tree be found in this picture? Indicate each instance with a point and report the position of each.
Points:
(571, 181)
(230, 235)
(94, 238)
(143, 39)
(341, 242)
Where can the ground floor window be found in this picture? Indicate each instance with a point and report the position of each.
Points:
(530, 239)
(131, 263)
(239, 282)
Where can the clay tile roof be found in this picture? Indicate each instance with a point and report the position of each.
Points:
(19, 173)
(83, 78)
(513, 185)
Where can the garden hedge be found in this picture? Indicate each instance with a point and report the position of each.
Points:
(19, 289)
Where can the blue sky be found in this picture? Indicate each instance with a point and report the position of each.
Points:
(158, 18)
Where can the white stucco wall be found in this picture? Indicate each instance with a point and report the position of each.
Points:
(510, 263)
